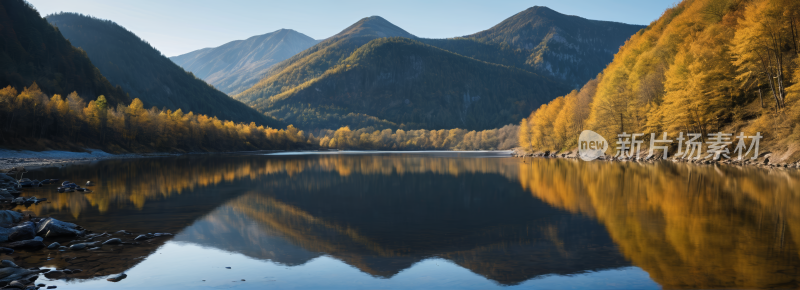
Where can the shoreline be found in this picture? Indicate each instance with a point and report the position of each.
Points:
(763, 161)
(10, 159)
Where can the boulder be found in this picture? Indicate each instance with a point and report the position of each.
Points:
(23, 231)
(26, 244)
(9, 217)
(9, 274)
(51, 227)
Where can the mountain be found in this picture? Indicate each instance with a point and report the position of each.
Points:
(145, 73)
(237, 65)
(404, 81)
(569, 48)
(313, 62)
(33, 51)
(569, 51)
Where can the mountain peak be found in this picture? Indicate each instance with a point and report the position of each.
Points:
(374, 26)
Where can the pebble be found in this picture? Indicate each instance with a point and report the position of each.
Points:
(94, 249)
(16, 284)
(54, 245)
(227, 267)
(76, 247)
(52, 287)
(117, 278)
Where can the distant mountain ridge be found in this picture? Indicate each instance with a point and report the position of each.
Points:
(237, 65)
(145, 73)
(569, 48)
(33, 51)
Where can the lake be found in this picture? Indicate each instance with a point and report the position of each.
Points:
(427, 220)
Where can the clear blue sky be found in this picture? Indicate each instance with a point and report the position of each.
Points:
(177, 27)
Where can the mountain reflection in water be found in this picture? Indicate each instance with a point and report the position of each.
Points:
(507, 220)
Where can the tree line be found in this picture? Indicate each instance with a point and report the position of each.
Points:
(705, 66)
(32, 120)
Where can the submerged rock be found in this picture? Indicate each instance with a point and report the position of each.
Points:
(51, 227)
(54, 246)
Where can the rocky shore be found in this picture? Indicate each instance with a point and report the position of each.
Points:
(32, 247)
(765, 159)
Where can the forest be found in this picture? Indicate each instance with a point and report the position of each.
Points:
(144, 73)
(704, 66)
(32, 120)
(31, 50)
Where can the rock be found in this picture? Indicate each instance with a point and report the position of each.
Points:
(142, 238)
(76, 247)
(6, 251)
(9, 217)
(94, 249)
(122, 232)
(76, 271)
(26, 244)
(9, 274)
(114, 241)
(117, 278)
(38, 238)
(52, 287)
(54, 274)
(51, 227)
(16, 284)
(67, 271)
(40, 285)
(6, 196)
(7, 263)
(24, 231)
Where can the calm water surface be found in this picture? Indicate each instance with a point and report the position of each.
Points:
(429, 221)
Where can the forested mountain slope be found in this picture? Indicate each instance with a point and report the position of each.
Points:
(406, 82)
(145, 73)
(704, 66)
(237, 65)
(33, 51)
(313, 62)
(554, 33)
